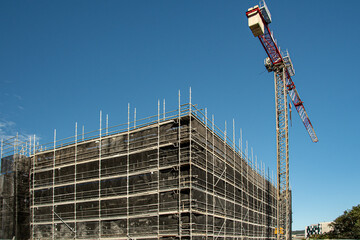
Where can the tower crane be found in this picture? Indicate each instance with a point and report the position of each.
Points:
(259, 19)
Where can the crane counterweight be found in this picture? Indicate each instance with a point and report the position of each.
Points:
(255, 22)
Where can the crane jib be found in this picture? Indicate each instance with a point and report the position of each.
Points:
(272, 50)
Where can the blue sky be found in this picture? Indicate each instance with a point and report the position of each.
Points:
(64, 61)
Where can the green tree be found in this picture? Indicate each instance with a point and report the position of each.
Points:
(346, 225)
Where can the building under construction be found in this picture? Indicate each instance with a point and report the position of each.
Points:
(174, 175)
(14, 189)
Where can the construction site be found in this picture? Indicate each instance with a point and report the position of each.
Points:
(170, 176)
(173, 175)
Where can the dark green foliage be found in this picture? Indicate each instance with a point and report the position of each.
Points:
(346, 226)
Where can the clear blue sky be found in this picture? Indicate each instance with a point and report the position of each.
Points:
(63, 61)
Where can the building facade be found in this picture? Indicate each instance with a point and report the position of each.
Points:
(319, 228)
(171, 178)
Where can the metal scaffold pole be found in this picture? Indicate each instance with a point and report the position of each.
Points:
(225, 176)
(206, 177)
(241, 187)
(75, 173)
(234, 180)
(53, 188)
(158, 172)
(190, 163)
(127, 174)
(100, 146)
(179, 166)
(213, 172)
(33, 191)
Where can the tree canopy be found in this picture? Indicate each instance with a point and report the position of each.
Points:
(346, 226)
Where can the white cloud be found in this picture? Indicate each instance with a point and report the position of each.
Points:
(5, 127)
(7, 131)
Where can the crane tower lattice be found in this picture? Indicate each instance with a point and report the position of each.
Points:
(259, 19)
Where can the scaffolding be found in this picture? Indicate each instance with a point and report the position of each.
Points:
(14, 188)
(174, 175)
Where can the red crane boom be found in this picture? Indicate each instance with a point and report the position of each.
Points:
(275, 57)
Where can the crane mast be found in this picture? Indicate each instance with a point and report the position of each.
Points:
(259, 18)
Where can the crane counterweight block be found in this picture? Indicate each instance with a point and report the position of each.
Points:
(255, 21)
